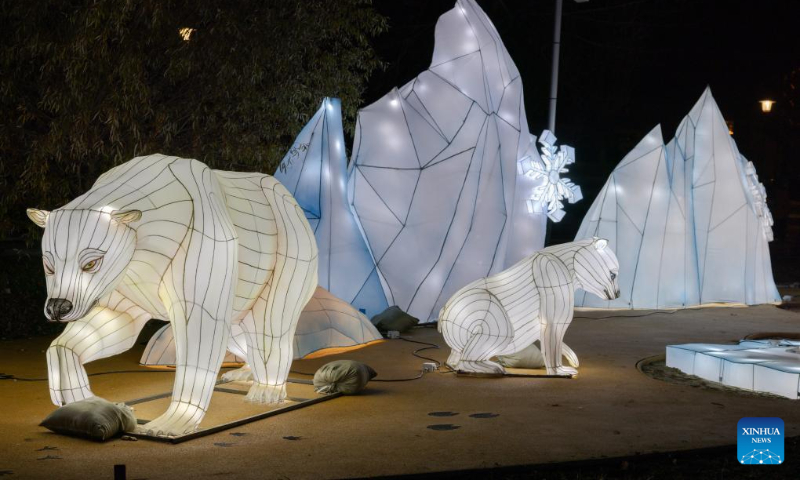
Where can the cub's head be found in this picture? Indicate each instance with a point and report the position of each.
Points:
(596, 269)
(85, 254)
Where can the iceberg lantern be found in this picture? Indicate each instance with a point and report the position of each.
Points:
(688, 221)
(315, 172)
(434, 179)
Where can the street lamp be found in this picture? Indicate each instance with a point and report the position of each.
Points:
(766, 105)
(186, 33)
(551, 118)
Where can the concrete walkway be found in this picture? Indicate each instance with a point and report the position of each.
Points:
(610, 410)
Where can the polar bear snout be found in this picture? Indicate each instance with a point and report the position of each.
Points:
(57, 308)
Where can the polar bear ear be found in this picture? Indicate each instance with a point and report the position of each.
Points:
(39, 217)
(600, 244)
(128, 216)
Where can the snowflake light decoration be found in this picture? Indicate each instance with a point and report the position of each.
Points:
(553, 188)
(759, 194)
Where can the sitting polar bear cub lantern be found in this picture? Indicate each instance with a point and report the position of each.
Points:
(532, 300)
(170, 238)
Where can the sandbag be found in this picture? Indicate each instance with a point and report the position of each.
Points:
(393, 318)
(93, 418)
(342, 376)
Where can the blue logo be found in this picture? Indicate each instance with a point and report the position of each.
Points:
(760, 441)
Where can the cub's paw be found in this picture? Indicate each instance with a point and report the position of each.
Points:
(243, 374)
(562, 370)
(272, 394)
(484, 366)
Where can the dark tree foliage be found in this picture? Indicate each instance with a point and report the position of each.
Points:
(86, 85)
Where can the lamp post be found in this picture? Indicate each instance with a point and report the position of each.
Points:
(551, 118)
(766, 105)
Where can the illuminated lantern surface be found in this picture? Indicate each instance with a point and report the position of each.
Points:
(165, 237)
(532, 300)
(771, 366)
(326, 322)
(435, 180)
(688, 221)
(315, 172)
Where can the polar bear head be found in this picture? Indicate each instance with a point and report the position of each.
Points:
(596, 269)
(85, 255)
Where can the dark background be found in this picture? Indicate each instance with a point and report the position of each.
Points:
(628, 65)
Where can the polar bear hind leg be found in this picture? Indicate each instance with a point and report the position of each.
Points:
(237, 344)
(270, 336)
(486, 329)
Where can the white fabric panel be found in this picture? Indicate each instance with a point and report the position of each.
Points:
(325, 322)
(532, 300)
(433, 179)
(160, 350)
(170, 238)
(315, 172)
(688, 220)
(330, 322)
(771, 366)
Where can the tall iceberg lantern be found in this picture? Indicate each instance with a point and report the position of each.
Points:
(315, 172)
(688, 221)
(434, 179)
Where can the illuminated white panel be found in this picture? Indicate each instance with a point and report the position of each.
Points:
(315, 172)
(166, 237)
(688, 220)
(533, 300)
(326, 322)
(771, 366)
(435, 179)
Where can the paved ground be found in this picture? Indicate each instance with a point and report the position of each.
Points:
(610, 410)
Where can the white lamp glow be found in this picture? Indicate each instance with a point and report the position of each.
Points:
(433, 179)
(199, 247)
(326, 322)
(315, 172)
(552, 189)
(688, 221)
(186, 33)
(533, 300)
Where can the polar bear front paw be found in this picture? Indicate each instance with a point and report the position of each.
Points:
(175, 421)
(244, 374)
(272, 394)
(562, 370)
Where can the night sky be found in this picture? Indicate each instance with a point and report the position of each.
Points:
(628, 65)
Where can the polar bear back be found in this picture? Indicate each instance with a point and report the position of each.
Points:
(254, 221)
(150, 185)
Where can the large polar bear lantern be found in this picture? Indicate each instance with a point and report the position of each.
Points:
(170, 238)
(533, 300)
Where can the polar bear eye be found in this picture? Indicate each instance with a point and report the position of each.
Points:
(613, 275)
(92, 265)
